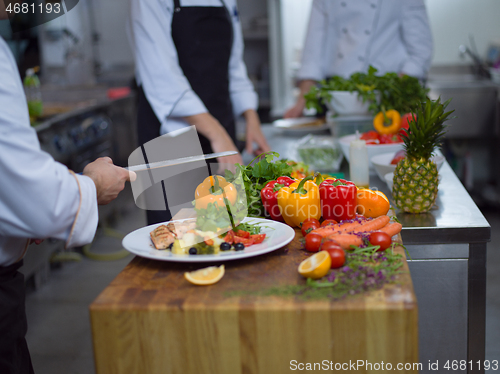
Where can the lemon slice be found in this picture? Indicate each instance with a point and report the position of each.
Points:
(205, 276)
(316, 266)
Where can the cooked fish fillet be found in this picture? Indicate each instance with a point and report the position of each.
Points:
(162, 237)
(180, 228)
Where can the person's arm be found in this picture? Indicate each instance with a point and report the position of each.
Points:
(417, 37)
(311, 68)
(39, 198)
(243, 95)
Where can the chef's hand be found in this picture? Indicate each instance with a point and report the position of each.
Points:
(220, 141)
(36, 241)
(109, 179)
(254, 134)
(297, 110)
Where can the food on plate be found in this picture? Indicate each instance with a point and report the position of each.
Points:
(373, 137)
(372, 203)
(398, 157)
(300, 201)
(338, 199)
(405, 121)
(337, 254)
(415, 182)
(388, 122)
(205, 276)
(214, 189)
(183, 238)
(316, 266)
(269, 196)
(164, 236)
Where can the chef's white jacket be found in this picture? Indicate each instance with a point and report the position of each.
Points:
(347, 36)
(157, 67)
(39, 197)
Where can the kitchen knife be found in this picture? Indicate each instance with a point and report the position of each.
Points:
(178, 161)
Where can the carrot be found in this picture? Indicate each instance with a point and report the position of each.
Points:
(345, 240)
(336, 229)
(372, 225)
(392, 229)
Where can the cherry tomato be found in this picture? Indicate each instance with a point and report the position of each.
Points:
(247, 242)
(229, 238)
(336, 253)
(380, 238)
(406, 118)
(312, 220)
(257, 238)
(313, 242)
(242, 233)
(308, 227)
(328, 222)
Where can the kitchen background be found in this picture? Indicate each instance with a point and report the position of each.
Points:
(86, 52)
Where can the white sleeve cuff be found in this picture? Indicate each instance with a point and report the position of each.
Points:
(244, 100)
(413, 69)
(188, 104)
(86, 219)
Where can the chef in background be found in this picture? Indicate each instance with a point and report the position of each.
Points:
(344, 37)
(39, 198)
(190, 71)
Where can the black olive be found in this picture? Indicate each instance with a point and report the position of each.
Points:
(239, 246)
(170, 246)
(193, 251)
(225, 246)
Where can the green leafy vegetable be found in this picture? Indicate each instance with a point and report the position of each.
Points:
(396, 92)
(256, 177)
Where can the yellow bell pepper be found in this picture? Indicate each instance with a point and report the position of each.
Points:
(213, 190)
(300, 201)
(379, 122)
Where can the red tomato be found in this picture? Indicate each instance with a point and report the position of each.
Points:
(369, 135)
(257, 238)
(313, 242)
(380, 238)
(372, 141)
(390, 138)
(242, 234)
(246, 241)
(398, 157)
(328, 222)
(312, 220)
(308, 227)
(336, 253)
(229, 238)
(406, 118)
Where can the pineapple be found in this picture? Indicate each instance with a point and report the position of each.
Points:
(415, 183)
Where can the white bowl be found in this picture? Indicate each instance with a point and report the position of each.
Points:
(373, 149)
(383, 166)
(347, 103)
(388, 180)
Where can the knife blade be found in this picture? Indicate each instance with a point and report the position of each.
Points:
(178, 161)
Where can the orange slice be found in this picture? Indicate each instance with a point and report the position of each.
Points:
(316, 266)
(205, 276)
(371, 203)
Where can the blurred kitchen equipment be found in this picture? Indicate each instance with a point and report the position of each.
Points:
(321, 153)
(479, 68)
(358, 162)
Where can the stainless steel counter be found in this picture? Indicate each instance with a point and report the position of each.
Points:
(448, 266)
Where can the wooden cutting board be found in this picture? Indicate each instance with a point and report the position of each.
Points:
(151, 320)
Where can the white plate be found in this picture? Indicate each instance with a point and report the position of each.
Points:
(300, 124)
(277, 235)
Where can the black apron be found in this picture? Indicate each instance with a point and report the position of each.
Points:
(203, 38)
(14, 354)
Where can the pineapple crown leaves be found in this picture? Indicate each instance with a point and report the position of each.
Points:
(427, 132)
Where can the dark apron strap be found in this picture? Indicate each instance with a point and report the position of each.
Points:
(14, 354)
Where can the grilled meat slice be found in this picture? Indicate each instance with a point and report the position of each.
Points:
(162, 237)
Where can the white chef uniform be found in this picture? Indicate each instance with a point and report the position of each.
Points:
(157, 67)
(345, 36)
(39, 197)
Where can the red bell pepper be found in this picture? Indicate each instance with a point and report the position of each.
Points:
(338, 199)
(269, 196)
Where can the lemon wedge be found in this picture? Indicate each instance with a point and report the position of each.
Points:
(316, 266)
(205, 276)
